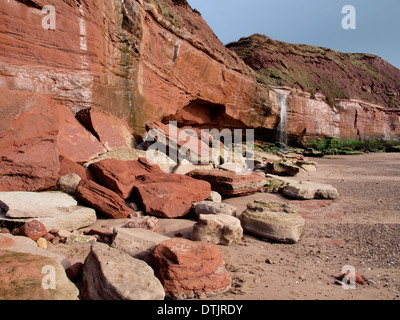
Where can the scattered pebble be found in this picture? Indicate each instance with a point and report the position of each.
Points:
(42, 243)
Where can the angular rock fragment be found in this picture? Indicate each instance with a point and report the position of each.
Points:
(102, 200)
(110, 274)
(218, 229)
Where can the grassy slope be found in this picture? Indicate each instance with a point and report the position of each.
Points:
(315, 69)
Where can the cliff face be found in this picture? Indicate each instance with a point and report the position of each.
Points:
(330, 94)
(144, 61)
(158, 60)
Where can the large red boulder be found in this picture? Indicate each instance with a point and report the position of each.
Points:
(230, 184)
(34, 132)
(111, 131)
(28, 142)
(120, 176)
(103, 200)
(169, 195)
(73, 139)
(189, 269)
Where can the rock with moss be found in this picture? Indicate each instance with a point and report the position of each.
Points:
(281, 168)
(276, 221)
(25, 276)
(274, 185)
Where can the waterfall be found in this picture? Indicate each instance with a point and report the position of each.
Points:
(283, 123)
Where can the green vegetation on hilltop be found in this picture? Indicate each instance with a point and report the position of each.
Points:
(334, 74)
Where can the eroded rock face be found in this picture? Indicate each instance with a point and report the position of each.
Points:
(142, 65)
(273, 220)
(189, 269)
(129, 59)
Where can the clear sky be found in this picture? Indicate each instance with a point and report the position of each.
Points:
(315, 22)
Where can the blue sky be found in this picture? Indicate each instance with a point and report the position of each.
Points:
(315, 22)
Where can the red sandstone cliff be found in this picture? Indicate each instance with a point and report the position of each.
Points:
(152, 60)
(144, 61)
(330, 93)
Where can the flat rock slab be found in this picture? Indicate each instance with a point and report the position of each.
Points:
(24, 276)
(110, 274)
(282, 169)
(305, 190)
(210, 207)
(35, 204)
(70, 219)
(230, 184)
(137, 242)
(273, 220)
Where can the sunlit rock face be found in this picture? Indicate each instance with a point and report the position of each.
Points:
(147, 60)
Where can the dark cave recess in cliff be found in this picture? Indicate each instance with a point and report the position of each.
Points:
(204, 114)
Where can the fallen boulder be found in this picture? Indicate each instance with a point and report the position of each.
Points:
(229, 184)
(103, 200)
(218, 229)
(110, 274)
(273, 220)
(34, 133)
(68, 183)
(120, 176)
(180, 143)
(111, 131)
(169, 195)
(189, 269)
(305, 190)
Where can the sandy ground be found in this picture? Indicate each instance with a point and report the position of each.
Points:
(361, 229)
